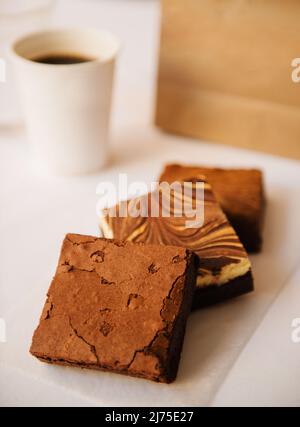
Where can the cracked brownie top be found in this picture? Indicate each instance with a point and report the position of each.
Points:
(113, 305)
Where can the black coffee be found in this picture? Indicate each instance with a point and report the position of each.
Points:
(62, 59)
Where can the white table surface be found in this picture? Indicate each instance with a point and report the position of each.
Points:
(238, 353)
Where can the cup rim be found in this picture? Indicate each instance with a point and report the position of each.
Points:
(66, 30)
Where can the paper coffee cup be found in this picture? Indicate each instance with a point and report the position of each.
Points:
(67, 107)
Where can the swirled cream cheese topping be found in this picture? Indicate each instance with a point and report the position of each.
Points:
(222, 255)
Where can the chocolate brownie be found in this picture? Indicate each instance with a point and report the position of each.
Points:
(119, 307)
(240, 193)
(224, 271)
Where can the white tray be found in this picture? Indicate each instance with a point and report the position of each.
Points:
(37, 211)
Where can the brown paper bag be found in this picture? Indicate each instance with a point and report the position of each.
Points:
(225, 72)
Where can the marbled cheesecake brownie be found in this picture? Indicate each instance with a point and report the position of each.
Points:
(225, 269)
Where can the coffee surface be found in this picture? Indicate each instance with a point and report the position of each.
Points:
(62, 59)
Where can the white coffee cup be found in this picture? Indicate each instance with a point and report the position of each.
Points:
(67, 107)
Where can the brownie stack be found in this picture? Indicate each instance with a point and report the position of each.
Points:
(121, 303)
